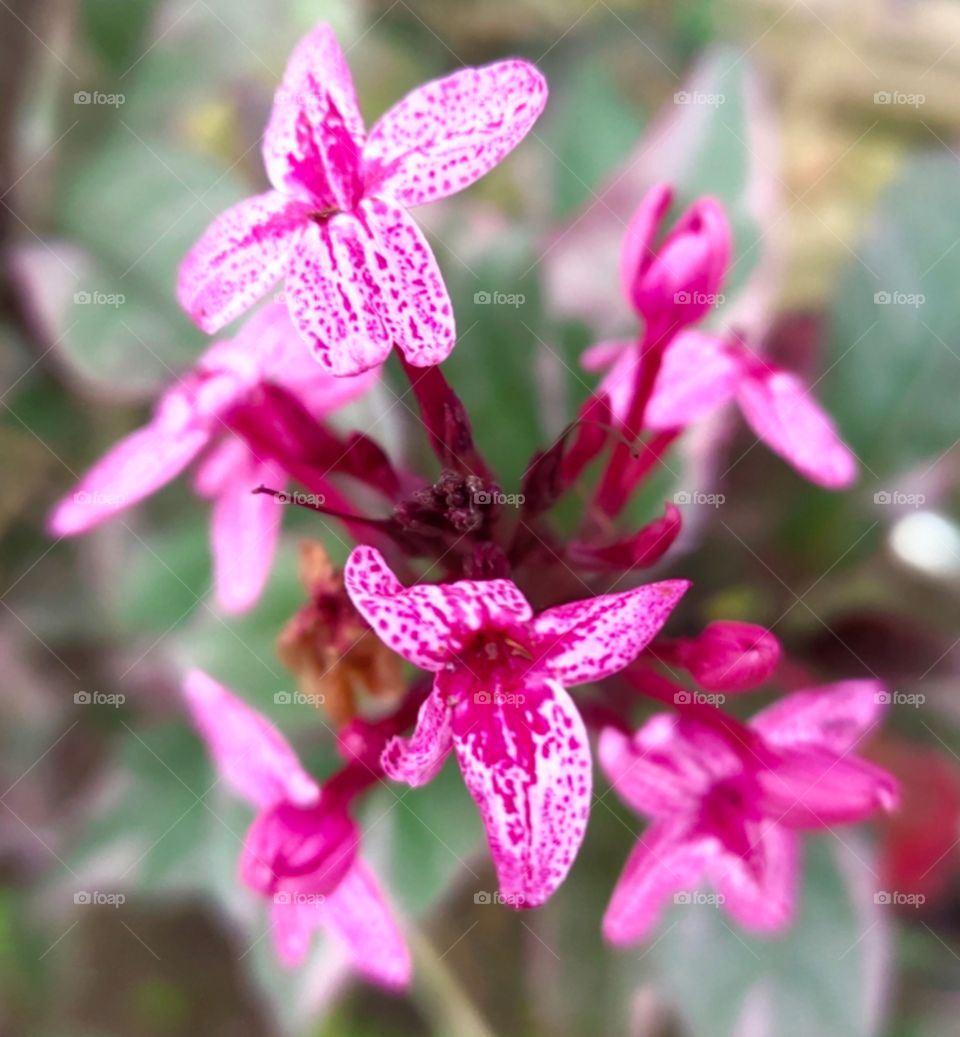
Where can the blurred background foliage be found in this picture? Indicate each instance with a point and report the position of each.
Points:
(830, 137)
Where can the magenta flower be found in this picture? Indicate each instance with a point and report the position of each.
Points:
(700, 373)
(726, 656)
(192, 417)
(360, 276)
(678, 281)
(500, 702)
(730, 813)
(301, 850)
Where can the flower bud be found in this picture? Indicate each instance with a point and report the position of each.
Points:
(677, 283)
(730, 656)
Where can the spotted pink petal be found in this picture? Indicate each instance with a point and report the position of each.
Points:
(620, 360)
(428, 624)
(131, 470)
(312, 143)
(361, 282)
(448, 133)
(357, 913)
(253, 758)
(418, 759)
(761, 895)
(526, 762)
(666, 860)
(780, 410)
(245, 527)
(240, 255)
(591, 639)
(815, 788)
(698, 375)
(833, 717)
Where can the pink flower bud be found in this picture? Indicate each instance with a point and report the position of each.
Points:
(677, 283)
(730, 656)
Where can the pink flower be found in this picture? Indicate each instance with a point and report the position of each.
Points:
(730, 813)
(191, 417)
(677, 282)
(727, 655)
(301, 850)
(701, 373)
(360, 276)
(500, 702)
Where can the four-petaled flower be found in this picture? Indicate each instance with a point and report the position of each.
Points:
(730, 813)
(360, 276)
(500, 701)
(702, 372)
(192, 416)
(301, 850)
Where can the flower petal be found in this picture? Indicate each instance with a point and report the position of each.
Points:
(591, 639)
(780, 410)
(133, 469)
(448, 133)
(250, 754)
(418, 759)
(239, 256)
(761, 892)
(415, 305)
(293, 921)
(620, 359)
(312, 143)
(526, 763)
(833, 717)
(665, 860)
(697, 376)
(815, 788)
(245, 526)
(428, 624)
(358, 913)
(650, 771)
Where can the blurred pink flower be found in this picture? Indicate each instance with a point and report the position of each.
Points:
(726, 656)
(700, 373)
(729, 813)
(500, 702)
(360, 274)
(301, 850)
(192, 416)
(677, 282)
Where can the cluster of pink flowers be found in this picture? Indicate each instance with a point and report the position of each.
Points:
(725, 798)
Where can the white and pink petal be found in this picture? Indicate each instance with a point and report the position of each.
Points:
(418, 759)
